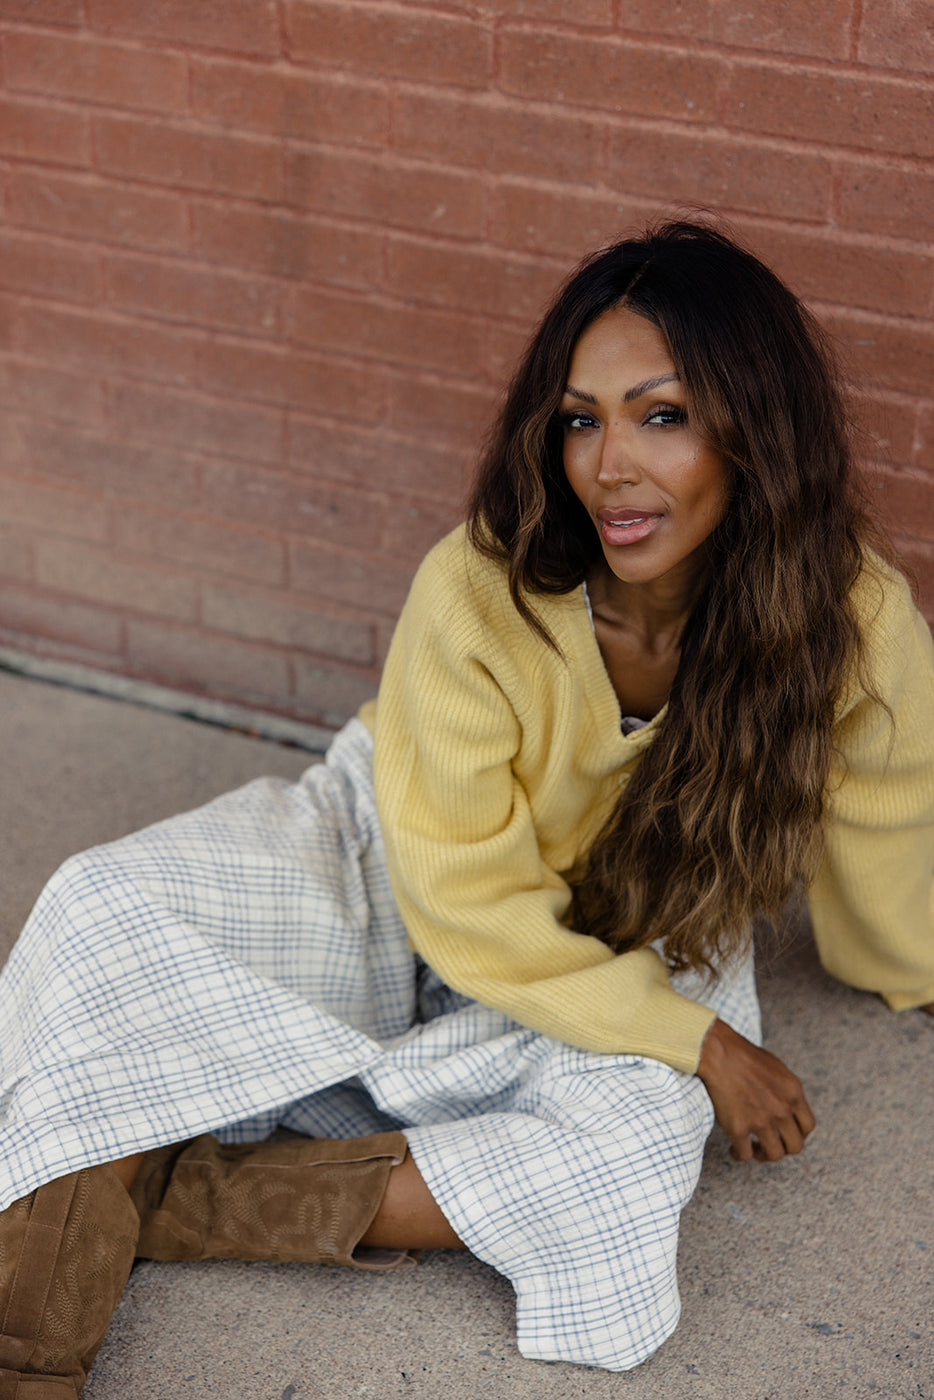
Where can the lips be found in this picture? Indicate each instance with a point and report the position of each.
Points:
(622, 517)
(622, 527)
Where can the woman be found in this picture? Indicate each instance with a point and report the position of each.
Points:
(660, 678)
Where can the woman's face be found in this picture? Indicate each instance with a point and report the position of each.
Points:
(653, 489)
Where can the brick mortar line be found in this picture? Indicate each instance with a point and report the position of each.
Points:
(904, 541)
(657, 41)
(88, 41)
(200, 513)
(9, 472)
(644, 38)
(613, 121)
(895, 320)
(825, 230)
(201, 338)
(187, 194)
(130, 614)
(232, 525)
(754, 225)
(832, 233)
(753, 140)
(184, 46)
(82, 35)
(204, 338)
(496, 98)
(895, 398)
(899, 470)
(614, 124)
(184, 255)
(373, 295)
(223, 335)
(301, 601)
(635, 38)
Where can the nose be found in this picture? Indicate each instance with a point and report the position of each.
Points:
(618, 466)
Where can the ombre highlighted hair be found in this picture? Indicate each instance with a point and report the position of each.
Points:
(722, 815)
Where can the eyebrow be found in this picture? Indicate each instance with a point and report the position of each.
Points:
(635, 392)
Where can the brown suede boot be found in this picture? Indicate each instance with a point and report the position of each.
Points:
(66, 1251)
(307, 1200)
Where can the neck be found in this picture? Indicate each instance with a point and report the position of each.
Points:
(655, 612)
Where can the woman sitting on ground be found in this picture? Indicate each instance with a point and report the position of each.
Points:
(663, 675)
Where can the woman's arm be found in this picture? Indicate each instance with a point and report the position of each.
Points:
(872, 900)
(468, 694)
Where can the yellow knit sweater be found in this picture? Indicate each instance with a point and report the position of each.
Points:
(497, 761)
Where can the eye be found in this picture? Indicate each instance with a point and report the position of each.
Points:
(667, 415)
(574, 421)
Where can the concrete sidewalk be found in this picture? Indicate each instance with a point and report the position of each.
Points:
(811, 1278)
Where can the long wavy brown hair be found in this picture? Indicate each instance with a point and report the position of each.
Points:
(722, 815)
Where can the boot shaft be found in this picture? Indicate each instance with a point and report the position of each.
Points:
(66, 1251)
(307, 1200)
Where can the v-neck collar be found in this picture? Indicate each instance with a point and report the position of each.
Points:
(601, 696)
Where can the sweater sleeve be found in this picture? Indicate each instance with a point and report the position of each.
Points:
(872, 901)
(480, 903)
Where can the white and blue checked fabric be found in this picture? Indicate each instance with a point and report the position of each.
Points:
(243, 967)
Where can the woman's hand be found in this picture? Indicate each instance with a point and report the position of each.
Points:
(759, 1103)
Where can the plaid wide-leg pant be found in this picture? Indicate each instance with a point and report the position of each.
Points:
(243, 967)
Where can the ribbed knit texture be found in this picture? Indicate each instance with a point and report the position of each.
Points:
(497, 762)
(872, 902)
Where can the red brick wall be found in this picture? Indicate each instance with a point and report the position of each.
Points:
(264, 266)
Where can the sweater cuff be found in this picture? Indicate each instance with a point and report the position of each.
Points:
(675, 1031)
(908, 1001)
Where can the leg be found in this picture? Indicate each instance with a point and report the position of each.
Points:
(67, 1248)
(409, 1217)
(303, 1199)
